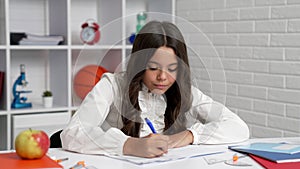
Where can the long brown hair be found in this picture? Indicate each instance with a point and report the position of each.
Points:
(153, 35)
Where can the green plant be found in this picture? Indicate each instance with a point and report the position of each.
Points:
(47, 93)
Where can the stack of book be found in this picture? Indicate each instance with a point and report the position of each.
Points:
(272, 155)
(17, 38)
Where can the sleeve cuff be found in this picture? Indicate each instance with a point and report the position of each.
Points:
(195, 136)
(119, 138)
(122, 142)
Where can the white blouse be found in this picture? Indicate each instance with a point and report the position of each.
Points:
(95, 127)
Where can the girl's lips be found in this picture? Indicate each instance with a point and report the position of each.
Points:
(160, 86)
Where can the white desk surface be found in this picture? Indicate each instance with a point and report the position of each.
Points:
(101, 162)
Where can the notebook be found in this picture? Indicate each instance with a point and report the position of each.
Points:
(273, 156)
(272, 165)
(283, 147)
(13, 161)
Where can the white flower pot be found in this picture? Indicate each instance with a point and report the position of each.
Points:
(48, 101)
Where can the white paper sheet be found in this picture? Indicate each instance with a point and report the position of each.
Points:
(190, 151)
(222, 157)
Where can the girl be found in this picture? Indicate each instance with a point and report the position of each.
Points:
(156, 85)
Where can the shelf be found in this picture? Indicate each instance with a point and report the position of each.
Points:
(53, 68)
(128, 47)
(156, 10)
(51, 74)
(3, 112)
(39, 109)
(19, 47)
(99, 11)
(48, 122)
(46, 17)
(74, 108)
(2, 23)
(96, 47)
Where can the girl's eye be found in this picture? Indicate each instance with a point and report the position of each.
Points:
(172, 69)
(152, 68)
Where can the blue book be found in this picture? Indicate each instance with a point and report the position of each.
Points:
(272, 147)
(272, 156)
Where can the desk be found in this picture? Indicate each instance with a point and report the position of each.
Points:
(100, 161)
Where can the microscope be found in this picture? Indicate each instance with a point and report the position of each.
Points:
(20, 102)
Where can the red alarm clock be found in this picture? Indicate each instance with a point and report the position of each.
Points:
(90, 33)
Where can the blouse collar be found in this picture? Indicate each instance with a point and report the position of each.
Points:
(145, 88)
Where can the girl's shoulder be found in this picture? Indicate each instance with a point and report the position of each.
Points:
(195, 90)
(113, 77)
(117, 80)
(199, 96)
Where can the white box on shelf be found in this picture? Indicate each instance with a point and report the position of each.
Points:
(48, 122)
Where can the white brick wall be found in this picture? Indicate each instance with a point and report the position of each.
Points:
(256, 44)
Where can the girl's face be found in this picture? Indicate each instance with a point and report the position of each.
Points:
(161, 70)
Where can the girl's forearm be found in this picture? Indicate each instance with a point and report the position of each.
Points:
(181, 139)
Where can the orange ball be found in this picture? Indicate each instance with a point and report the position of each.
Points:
(86, 78)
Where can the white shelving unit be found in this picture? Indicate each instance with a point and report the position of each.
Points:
(53, 67)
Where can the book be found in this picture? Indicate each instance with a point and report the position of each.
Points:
(272, 165)
(174, 154)
(13, 161)
(22, 38)
(39, 42)
(34, 37)
(272, 156)
(283, 147)
(1, 83)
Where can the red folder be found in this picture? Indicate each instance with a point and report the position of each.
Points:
(273, 165)
(13, 161)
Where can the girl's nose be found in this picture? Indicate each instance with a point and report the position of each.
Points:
(162, 75)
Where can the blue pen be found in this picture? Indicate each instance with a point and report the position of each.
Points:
(150, 125)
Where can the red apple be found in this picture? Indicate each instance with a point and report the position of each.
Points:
(32, 144)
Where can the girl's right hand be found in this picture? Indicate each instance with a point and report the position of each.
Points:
(153, 145)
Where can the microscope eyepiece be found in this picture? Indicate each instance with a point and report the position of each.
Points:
(22, 68)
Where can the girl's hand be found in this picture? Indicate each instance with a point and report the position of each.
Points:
(153, 145)
(180, 139)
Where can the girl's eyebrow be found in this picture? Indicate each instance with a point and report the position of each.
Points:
(173, 64)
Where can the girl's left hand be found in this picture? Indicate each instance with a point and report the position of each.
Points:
(180, 139)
